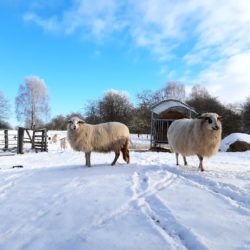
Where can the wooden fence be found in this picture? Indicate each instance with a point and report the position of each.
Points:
(8, 140)
(14, 141)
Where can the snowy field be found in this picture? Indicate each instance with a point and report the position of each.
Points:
(54, 202)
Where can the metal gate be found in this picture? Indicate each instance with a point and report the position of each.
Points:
(159, 129)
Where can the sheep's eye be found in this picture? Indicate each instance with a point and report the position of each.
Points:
(70, 122)
(209, 120)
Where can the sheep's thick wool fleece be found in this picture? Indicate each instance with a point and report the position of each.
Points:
(104, 137)
(191, 137)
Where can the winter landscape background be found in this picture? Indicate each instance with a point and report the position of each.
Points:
(54, 202)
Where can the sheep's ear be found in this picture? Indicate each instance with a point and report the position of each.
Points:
(81, 122)
(199, 116)
(220, 118)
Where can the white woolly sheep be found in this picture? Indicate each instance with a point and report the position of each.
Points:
(104, 137)
(55, 138)
(64, 143)
(200, 136)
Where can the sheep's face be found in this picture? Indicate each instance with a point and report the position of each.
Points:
(74, 123)
(212, 121)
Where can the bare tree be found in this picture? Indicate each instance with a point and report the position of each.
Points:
(32, 102)
(57, 123)
(231, 121)
(4, 111)
(199, 91)
(116, 106)
(246, 116)
(173, 90)
(141, 121)
(93, 115)
(4, 107)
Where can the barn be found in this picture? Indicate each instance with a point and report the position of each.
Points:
(163, 114)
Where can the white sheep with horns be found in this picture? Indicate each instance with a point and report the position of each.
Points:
(200, 136)
(104, 137)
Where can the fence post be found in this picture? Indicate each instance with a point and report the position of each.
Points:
(45, 140)
(6, 140)
(42, 141)
(20, 140)
(33, 138)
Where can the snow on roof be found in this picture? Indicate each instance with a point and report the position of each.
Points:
(230, 139)
(170, 103)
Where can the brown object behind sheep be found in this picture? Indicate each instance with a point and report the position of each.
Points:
(239, 146)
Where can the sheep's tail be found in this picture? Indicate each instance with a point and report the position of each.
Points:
(125, 151)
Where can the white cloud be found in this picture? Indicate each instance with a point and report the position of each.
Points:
(90, 18)
(95, 17)
(223, 31)
(50, 24)
(215, 35)
(161, 26)
(229, 79)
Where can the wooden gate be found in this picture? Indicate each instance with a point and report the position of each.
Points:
(38, 140)
(14, 141)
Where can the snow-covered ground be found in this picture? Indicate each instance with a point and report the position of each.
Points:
(54, 202)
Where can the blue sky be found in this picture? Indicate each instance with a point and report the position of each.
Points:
(83, 48)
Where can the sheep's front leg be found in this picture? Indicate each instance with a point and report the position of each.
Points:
(177, 158)
(185, 160)
(201, 163)
(117, 154)
(87, 159)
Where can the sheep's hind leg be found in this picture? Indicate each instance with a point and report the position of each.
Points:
(117, 154)
(87, 158)
(125, 154)
(201, 163)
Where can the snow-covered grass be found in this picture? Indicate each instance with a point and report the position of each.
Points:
(54, 202)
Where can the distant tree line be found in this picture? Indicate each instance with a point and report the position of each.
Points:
(32, 107)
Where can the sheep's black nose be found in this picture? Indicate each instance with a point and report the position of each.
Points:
(215, 127)
(74, 127)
